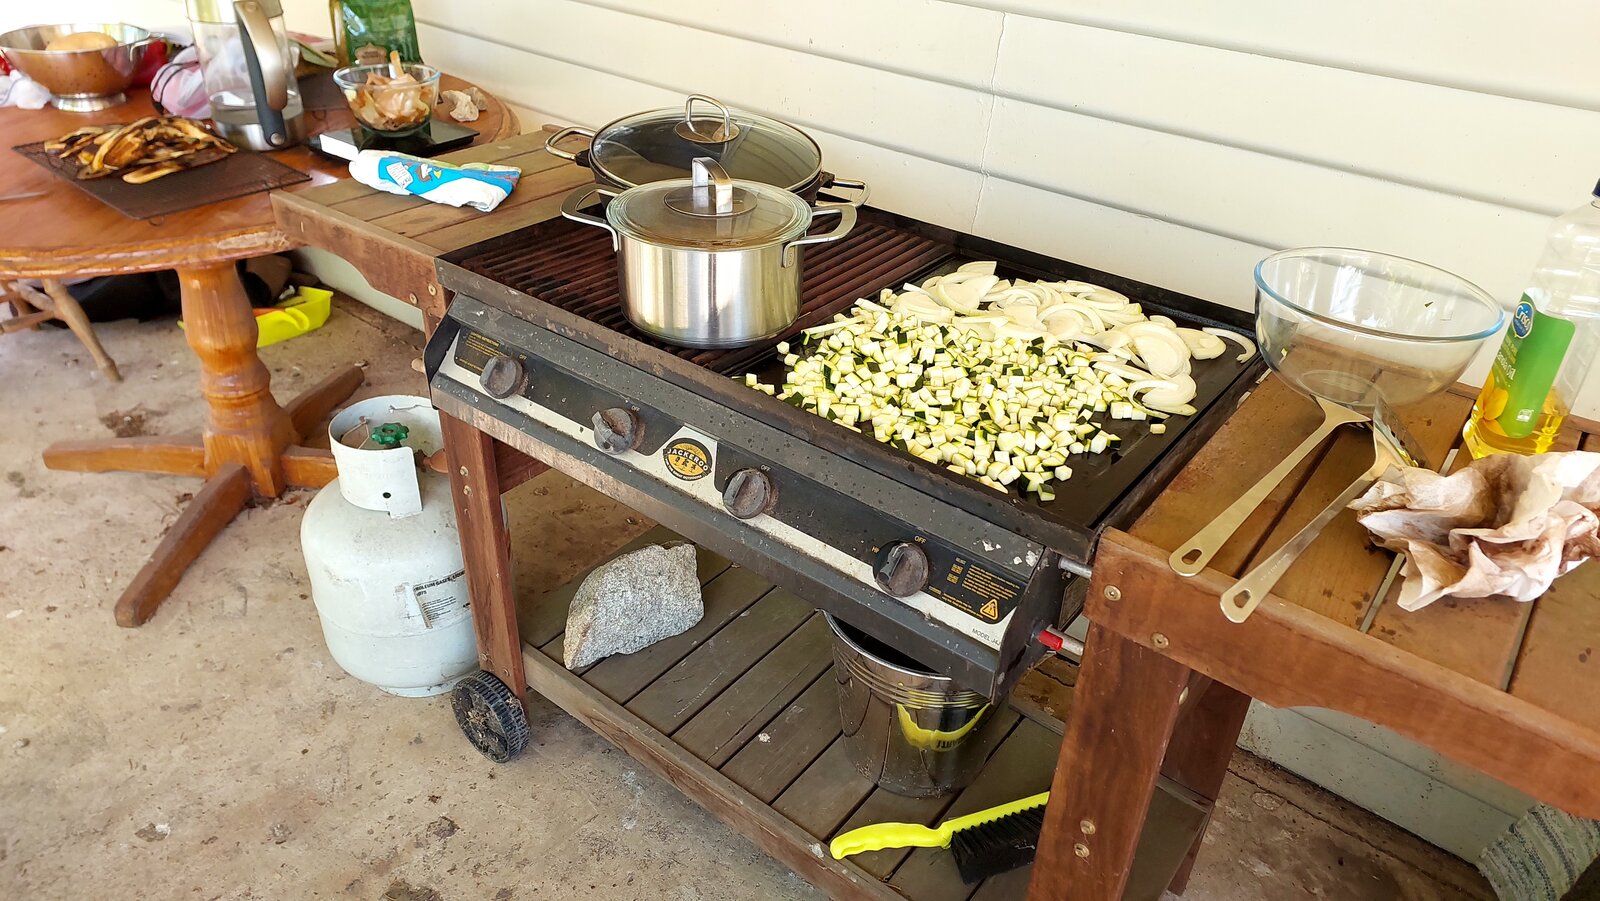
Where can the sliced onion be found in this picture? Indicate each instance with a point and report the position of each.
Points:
(978, 267)
(1248, 345)
(1202, 346)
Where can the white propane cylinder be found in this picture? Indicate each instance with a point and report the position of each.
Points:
(385, 562)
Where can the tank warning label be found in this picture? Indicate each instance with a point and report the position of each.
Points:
(970, 585)
(438, 598)
(687, 459)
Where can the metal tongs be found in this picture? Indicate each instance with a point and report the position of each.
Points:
(1392, 447)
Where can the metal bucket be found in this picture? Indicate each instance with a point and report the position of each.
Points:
(907, 728)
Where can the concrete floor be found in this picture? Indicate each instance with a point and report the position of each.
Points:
(218, 752)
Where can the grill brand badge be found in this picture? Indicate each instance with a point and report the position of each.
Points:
(687, 459)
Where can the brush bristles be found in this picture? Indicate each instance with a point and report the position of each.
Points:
(998, 846)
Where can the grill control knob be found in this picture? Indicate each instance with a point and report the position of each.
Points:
(749, 494)
(617, 430)
(502, 377)
(903, 569)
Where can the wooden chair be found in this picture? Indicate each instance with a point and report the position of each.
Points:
(31, 306)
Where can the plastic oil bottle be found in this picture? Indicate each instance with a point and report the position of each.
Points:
(1552, 341)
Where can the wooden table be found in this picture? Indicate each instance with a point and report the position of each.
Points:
(1503, 687)
(251, 445)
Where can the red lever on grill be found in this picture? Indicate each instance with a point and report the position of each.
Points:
(1058, 642)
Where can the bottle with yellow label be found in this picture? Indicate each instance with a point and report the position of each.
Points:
(1549, 347)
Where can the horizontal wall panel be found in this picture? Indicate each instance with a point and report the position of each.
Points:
(1140, 247)
(1530, 155)
(939, 41)
(1537, 51)
(559, 92)
(1257, 198)
(937, 121)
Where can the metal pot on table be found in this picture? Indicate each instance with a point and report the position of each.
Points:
(709, 261)
(660, 144)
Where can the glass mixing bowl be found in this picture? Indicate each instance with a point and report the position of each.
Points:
(395, 109)
(1354, 326)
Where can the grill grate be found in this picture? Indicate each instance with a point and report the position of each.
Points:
(572, 267)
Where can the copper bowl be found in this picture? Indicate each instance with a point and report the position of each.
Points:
(81, 80)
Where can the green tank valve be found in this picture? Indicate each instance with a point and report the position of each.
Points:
(390, 434)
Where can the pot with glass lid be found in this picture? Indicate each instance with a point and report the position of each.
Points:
(660, 144)
(709, 261)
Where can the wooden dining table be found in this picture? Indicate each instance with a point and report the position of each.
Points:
(251, 445)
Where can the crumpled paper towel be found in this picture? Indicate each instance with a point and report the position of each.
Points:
(632, 602)
(1504, 525)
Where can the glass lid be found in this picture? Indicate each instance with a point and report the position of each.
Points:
(660, 144)
(708, 211)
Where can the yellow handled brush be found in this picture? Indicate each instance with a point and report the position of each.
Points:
(984, 844)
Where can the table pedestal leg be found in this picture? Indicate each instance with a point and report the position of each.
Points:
(248, 447)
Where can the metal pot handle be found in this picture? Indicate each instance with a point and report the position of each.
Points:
(551, 142)
(687, 131)
(572, 208)
(847, 221)
(712, 186)
(850, 184)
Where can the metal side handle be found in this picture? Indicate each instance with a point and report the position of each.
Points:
(847, 221)
(551, 142)
(1192, 557)
(572, 208)
(850, 184)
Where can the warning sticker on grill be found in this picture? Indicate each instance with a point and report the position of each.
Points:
(970, 585)
(474, 350)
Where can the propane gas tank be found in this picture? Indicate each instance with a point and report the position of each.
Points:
(382, 552)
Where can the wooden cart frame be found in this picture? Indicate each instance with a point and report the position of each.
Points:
(1166, 680)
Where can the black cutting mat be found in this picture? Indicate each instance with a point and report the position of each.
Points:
(235, 175)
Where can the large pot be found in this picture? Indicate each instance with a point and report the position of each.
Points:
(660, 144)
(708, 261)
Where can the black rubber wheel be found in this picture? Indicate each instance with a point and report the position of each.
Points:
(490, 717)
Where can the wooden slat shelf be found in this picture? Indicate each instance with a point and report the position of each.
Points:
(741, 713)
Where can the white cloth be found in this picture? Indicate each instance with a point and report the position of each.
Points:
(479, 185)
(21, 91)
(1504, 525)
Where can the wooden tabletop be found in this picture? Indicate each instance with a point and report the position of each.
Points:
(1506, 687)
(393, 240)
(65, 232)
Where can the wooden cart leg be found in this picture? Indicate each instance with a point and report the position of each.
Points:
(68, 311)
(1124, 709)
(486, 549)
(1203, 742)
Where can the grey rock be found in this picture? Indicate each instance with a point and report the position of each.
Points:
(632, 602)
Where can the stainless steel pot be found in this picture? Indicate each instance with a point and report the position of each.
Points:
(660, 144)
(708, 261)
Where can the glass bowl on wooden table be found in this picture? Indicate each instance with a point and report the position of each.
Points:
(390, 99)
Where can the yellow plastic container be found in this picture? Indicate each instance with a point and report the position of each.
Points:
(306, 311)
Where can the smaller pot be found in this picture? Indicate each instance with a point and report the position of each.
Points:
(708, 261)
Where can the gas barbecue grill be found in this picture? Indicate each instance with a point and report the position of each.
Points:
(536, 351)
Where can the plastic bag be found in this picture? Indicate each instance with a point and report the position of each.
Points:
(368, 30)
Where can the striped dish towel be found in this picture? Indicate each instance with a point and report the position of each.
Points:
(1542, 856)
